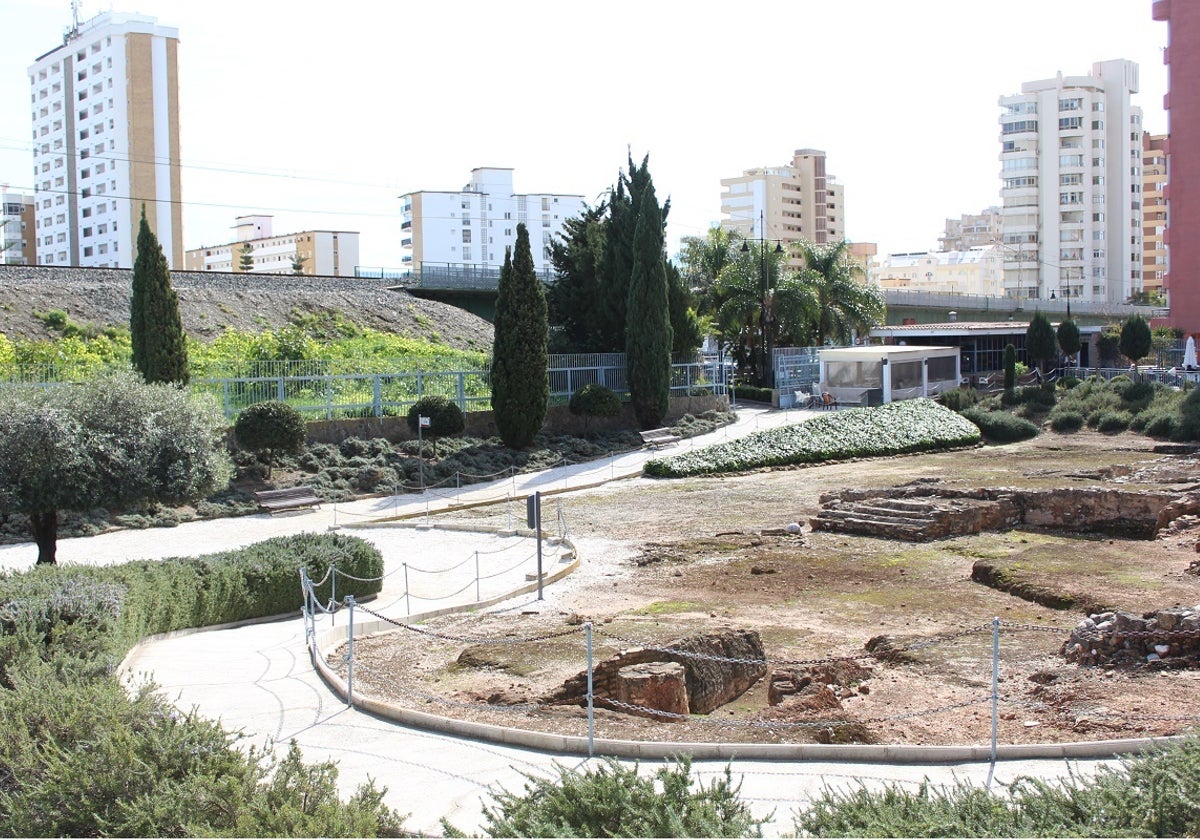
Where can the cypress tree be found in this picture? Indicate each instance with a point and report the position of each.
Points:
(156, 330)
(1041, 343)
(520, 382)
(648, 331)
(1010, 370)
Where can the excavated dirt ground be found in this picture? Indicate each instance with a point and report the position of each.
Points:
(666, 559)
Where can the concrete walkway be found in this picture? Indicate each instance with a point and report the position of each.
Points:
(258, 679)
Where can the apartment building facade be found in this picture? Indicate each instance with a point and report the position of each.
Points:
(17, 242)
(974, 271)
(798, 201)
(1182, 193)
(105, 112)
(1154, 214)
(257, 250)
(466, 232)
(1071, 160)
(971, 230)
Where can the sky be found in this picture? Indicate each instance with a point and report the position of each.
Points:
(323, 114)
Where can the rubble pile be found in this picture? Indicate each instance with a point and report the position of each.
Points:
(1166, 638)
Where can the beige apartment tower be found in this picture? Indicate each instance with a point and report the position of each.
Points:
(105, 108)
(798, 201)
(1154, 213)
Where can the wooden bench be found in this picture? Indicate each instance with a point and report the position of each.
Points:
(290, 498)
(659, 437)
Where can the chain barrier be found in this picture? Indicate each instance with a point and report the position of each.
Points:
(518, 565)
(827, 660)
(505, 640)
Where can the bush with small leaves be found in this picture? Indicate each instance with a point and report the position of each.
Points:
(445, 417)
(270, 429)
(1111, 422)
(1000, 426)
(958, 399)
(611, 800)
(1065, 422)
(594, 400)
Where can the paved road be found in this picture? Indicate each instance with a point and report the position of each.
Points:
(258, 679)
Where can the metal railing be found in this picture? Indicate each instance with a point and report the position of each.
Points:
(330, 389)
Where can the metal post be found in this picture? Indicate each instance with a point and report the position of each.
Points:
(350, 654)
(477, 598)
(421, 453)
(590, 704)
(537, 532)
(995, 687)
(407, 602)
(332, 593)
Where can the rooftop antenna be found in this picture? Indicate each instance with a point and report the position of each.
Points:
(74, 30)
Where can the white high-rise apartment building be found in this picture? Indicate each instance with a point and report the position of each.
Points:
(106, 142)
(465, 233)
(1071, 159)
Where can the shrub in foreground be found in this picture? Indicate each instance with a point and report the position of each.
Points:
(610, 800)
(1152, 795)
(1000, 426)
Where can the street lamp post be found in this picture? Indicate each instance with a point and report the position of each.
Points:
(765, 350)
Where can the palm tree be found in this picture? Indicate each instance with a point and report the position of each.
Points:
(738, 304)
(840, 302)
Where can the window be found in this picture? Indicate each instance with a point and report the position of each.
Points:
(1019, 127)
(1016, 164)
(1070, 104)
(466, 236)
(1097, 125)
(1097, 217)
(1070, 160)
(1098, 105)
(1098, 143)
(1009, 184)
(87, 252)
(1098, 180)
(1022, 108)
(1070, 198)
(1070, 180)
(1069, 123)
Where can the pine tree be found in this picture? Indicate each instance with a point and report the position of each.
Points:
(156, 331)
(520, 382)
(648, 332)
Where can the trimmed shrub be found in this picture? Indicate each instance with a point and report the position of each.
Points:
(269, 429)
(1066, 421)
(1000, 426)
(594, 400)
(96, 614)
(1111, 422)
(1159, 426)
(751, 392)
(445, 417)
(1038, 397)
(1187, 428)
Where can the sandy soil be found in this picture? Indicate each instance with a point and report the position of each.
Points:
(667, 559)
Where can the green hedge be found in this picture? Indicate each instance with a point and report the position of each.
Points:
(89, 617)
(908, 426)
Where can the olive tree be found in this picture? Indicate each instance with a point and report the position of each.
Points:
(271, 428)
(109, 443)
